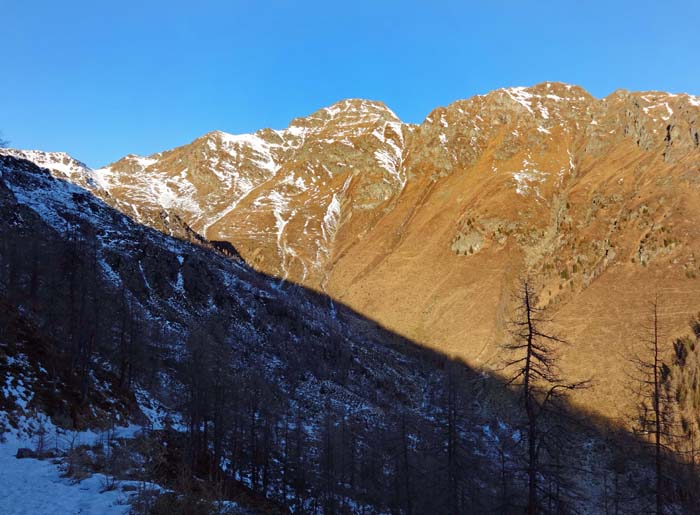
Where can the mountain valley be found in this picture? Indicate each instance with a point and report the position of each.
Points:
(347, 285)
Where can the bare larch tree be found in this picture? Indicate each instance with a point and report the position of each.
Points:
(532, 368)
(653, 417)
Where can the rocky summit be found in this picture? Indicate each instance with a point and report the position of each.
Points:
(427, 228)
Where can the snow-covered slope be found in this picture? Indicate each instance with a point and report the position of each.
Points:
(40, 487)
(317, 359)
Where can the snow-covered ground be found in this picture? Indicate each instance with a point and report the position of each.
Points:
(35, 487)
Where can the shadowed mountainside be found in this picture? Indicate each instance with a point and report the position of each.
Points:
(111, 299)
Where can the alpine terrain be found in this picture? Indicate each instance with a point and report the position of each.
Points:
(330, 318)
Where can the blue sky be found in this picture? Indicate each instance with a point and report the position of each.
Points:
(103, 79)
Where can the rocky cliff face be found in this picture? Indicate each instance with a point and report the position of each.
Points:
(426, 228)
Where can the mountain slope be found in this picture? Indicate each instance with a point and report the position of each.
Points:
(97, 303)
(426, 228)
(288, 394)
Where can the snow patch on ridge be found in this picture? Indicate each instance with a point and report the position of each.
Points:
(59, 163)
(662, 105)
(260, 149)
(391, 157)
(522, 96)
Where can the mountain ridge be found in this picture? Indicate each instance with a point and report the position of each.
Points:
(425, 227)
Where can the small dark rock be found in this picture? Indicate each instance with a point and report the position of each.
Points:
(24, 452)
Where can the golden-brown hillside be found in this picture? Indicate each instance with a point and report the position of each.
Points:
(427, 228)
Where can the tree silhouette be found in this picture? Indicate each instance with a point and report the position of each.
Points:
(534, 371)
(654, 410)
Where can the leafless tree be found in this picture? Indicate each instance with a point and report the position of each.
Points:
(532, 366)
(653, 417)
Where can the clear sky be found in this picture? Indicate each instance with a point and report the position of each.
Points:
(101, 79)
